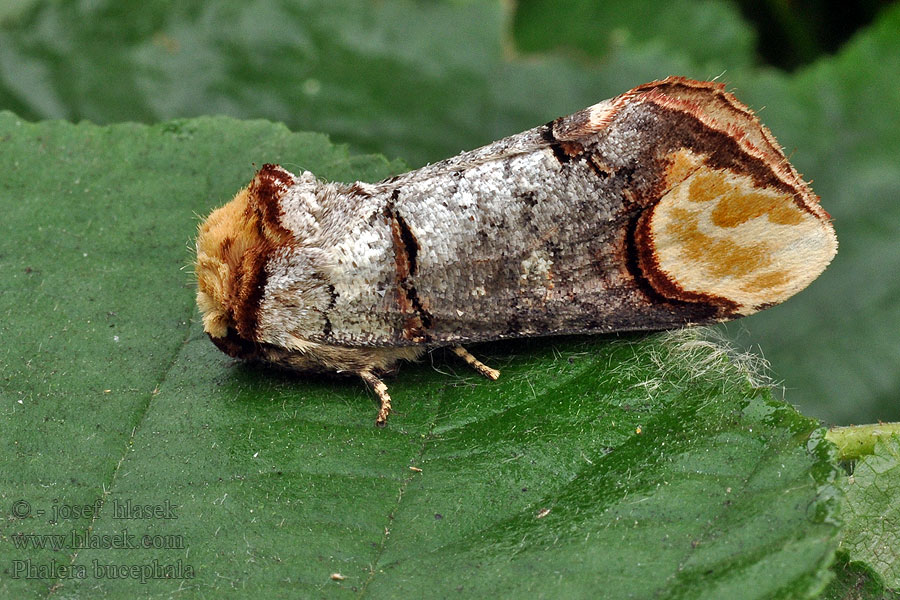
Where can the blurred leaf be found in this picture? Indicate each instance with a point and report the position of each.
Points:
(871, 534)
(642, 467)
(10, 10)
(707, 32)
(421, 80)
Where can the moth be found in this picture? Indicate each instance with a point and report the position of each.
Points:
(670, 205)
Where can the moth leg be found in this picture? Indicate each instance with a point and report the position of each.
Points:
(384, 398)
(475, 363)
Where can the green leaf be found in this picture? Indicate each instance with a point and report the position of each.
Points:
(424, 80)
(640, 467)
(871, 534)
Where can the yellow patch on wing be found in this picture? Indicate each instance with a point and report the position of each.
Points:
(718, 233)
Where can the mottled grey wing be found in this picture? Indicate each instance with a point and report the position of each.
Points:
(667, 206)
(534, 242)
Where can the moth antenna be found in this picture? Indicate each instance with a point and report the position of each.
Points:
(381, 391)
(476, 364)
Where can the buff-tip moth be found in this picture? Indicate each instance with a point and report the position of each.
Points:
(670, 205)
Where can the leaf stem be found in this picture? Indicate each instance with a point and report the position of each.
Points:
(856, 441)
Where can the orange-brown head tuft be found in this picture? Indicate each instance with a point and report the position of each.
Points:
(232, 245)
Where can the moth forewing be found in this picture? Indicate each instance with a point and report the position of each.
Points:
(667, 206)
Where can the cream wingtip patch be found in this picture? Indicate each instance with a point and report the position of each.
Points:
(720, 236)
